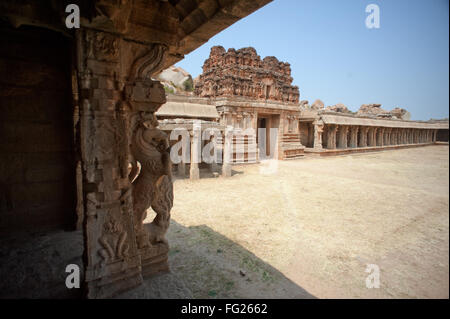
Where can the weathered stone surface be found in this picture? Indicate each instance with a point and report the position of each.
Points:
(304, 104)
(340, 108)
(400, 113)
(373, 110)
(317, 105)
(243, 73)
(176, 80)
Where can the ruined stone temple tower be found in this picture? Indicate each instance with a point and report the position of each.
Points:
(254, 93)
(242, 73)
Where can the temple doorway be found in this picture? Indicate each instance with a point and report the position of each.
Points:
(306, 129)
(266, 140)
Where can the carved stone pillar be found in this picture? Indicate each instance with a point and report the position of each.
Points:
(318, 130)
(227, 152)
(354, 136)
(234, 119)
(118, 131)
(371, 136)
(110, 245)
(226, 118)
(247, 120)
(363, 136)
(331, 136)
(195, 134)
(343, 130)
(379, 136)
(239, 120)
(387, 136)
(152, 188)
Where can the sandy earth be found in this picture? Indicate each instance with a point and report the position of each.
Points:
(297, 229)
(310, 227)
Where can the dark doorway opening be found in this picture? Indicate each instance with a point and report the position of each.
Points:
(37, 170)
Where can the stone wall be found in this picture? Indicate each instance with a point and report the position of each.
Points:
(37, 161)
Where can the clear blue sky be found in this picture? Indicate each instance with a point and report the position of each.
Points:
(334, 56)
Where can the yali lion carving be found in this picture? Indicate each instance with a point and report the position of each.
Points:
(153, 185)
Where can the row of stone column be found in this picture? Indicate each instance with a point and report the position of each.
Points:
(351, 136)
(196, 153)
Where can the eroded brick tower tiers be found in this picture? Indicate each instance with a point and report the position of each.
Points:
(243, 73)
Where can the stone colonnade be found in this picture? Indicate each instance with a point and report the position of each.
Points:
(355, 136)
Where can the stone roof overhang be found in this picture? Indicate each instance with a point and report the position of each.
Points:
(339, 119)
(248, 103)
(188, 124)
(186, 109)
(182, 26)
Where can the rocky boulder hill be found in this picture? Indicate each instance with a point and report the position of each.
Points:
(400, 113)
(375, 110)
(318, 105)
(304, 104)
(339, 108)
(176, 80)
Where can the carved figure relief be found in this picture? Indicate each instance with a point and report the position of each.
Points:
(103, 46)
(112, 241)
(153, 185)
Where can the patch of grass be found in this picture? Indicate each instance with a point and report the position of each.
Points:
(266, 277)
(229, 285)
(169, 90)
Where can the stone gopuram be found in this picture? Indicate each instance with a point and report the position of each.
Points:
(256, 98)
(243, 73)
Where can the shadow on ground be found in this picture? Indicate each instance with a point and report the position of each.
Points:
(204, 264)
(204, 173)
(213, 266)
(32, 265)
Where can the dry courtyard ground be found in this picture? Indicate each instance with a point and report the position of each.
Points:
(308, 230)
(311, 228)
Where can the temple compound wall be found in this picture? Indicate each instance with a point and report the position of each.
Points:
(81, 105)
(330, 133)
(256, 99)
